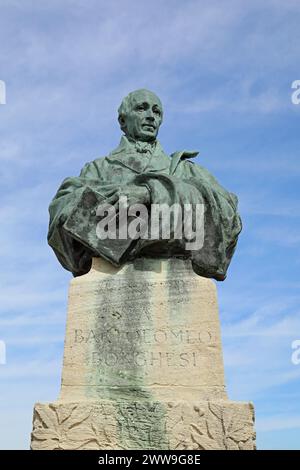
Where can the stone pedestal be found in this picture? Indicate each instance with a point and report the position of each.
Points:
(143, 366)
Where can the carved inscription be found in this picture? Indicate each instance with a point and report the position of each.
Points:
(146, 336)
(108, 350)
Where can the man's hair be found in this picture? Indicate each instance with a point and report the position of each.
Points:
(125, 106)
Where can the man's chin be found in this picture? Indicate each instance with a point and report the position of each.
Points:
(144, 136)
(147, 136)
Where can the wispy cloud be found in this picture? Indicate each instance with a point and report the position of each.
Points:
(223, 70)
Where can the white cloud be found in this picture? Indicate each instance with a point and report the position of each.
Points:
(67, 65)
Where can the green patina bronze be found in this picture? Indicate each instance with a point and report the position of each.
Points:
(140, 170)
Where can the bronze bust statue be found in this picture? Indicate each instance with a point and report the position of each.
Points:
(139, 170)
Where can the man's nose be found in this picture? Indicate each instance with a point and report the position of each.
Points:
(150, 115)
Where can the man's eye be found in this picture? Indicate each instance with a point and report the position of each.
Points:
(157, 111)
(140, 108)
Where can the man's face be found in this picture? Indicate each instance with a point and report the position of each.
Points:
(144, 117)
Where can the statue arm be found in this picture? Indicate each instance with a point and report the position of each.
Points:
(72, 216)
(191, 184)
(72, 255)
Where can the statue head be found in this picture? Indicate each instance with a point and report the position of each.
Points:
(140, 115)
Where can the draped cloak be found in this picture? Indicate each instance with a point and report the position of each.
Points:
(170, 180)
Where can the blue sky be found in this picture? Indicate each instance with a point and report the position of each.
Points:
(224, 72)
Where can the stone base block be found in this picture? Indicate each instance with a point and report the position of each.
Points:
(174, 425)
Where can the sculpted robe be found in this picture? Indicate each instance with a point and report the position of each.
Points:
(170, 180)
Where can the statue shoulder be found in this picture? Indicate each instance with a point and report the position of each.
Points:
(192, 169)
(94, 169)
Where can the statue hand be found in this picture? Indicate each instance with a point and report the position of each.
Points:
(134, 195)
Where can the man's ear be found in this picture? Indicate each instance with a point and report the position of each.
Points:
(121, 120)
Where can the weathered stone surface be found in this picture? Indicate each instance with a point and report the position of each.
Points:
(172, 425)
(143, 365)
(147, 330)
